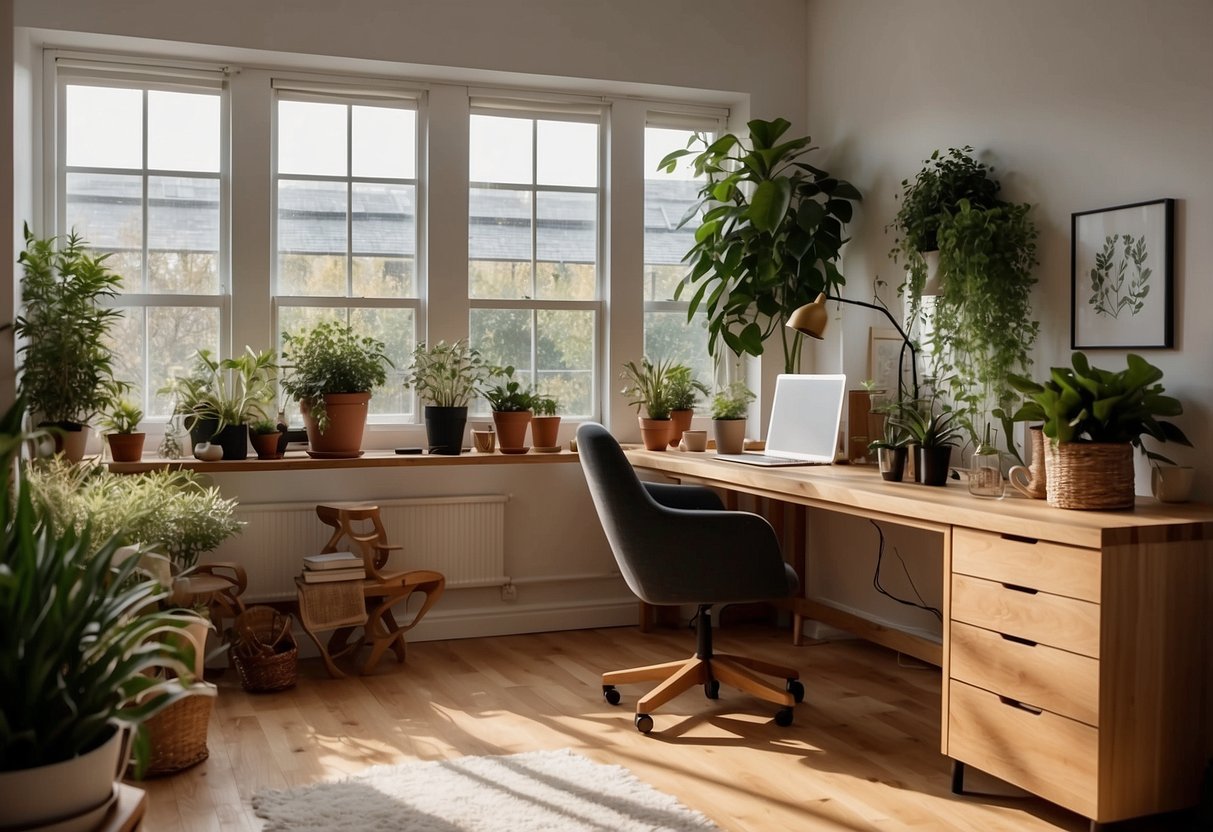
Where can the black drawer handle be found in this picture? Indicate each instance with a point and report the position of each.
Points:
(1015, 703)
(1020, 538)
(1018, 640)
(1019, 588)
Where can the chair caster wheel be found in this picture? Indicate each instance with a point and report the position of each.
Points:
(644, 723)
(795, 688)
(610, 694)
(712, 689)
(783, 717)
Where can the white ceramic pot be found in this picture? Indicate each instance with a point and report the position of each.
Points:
(35, 797)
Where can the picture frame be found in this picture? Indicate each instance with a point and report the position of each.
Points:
(884, 359)
(1122, 277)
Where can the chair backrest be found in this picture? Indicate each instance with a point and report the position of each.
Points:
(678, 555)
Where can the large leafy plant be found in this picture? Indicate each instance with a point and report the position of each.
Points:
(80, 631)
(331, 358)
(1086, 404)
(67, 372)
(772, 228)
(231, 391)
(447, 375)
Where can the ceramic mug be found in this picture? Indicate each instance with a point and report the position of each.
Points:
(695, 440)
(1172, 483)
(484, 441)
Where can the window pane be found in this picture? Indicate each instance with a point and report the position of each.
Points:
(311, 238)
(500, 150)
(174, 334)
(384, 219)
(126, 341)
(499, 243)
(183, 235)
(396, 328)
(384, 277)
(104, 127)
(182, 131)
(312, 138)
(565, 359)
(566, 242)
(567, 153)
(668, 335)
(385, 142)
(106, 210)
(503, 337)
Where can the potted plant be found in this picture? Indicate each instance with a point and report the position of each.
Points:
(951, 221)
(1093, 419)
(79, 680)
(891, 450)
(682, 391)
(67, 373)
(933, 432)
(219, 398)
(331, 372)
(545, 424)
(511, 411)
(446, 376)
(648, 390)
(772, 228)
(120, 425)
(728, 417)
(265, 435)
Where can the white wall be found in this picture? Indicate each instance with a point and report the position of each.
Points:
(1080, 104)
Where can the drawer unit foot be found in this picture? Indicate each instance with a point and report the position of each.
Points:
(958, 777)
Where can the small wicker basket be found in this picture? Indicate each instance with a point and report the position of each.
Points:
(178, 735)
(264, 651)
(1090, 475)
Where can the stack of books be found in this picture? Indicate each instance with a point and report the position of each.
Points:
(334, 566)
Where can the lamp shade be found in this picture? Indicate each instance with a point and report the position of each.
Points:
(811, 318)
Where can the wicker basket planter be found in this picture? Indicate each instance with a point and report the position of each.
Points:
(178, 735)
(264, 651)
(1093, 476)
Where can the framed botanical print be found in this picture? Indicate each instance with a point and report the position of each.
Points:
(1122, 275)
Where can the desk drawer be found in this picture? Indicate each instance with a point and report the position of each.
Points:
(1049, 755)
(1058, 681)
(1047, 619)
(1051, 567)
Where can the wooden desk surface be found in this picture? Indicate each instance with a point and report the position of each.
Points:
(859, 490)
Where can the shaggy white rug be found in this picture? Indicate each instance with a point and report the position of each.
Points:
(542, 790)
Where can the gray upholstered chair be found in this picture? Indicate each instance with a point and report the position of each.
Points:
(675, 545)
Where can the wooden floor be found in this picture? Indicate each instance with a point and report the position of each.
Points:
(863, 753)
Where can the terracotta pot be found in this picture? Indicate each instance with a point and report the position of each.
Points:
(347, 420)
(730, 435)
(545, 431)
(655, 433)
(680, 420)
(511, 428)
(266, 445)
(34, 797)
(126, 447)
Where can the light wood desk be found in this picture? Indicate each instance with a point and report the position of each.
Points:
(1075, 653)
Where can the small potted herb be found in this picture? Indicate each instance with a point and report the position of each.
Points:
(220, 397)
(545, 424)
(121, 424)
(728, 417)
(682, 391)
(265, 436)
(446, 377)
(648, 389)
(511, 406)
(891, 451)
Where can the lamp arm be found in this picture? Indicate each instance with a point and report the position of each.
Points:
(906, 342)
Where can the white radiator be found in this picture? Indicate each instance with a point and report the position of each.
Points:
(461, 537)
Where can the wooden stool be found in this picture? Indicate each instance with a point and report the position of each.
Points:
(381, 590)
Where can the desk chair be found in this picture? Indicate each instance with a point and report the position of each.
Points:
(676, 545)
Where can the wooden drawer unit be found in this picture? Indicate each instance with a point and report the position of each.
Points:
(1037, 564)
(1041, 617)
(1047, 754)
(1056, 680)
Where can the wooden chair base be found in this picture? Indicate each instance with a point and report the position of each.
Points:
(740, 672)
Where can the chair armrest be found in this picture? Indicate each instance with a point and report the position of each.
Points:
(684, 496)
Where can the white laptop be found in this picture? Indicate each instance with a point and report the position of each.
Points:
(804, 422)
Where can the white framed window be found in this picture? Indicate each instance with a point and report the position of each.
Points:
(346, 221)
(140, 161)
(534, 237)
(668, 197)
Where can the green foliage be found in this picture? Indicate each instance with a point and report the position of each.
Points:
(67, 373)
(80, 631)
(731, 402)
(447, 375)
(330, 358)
(772, 228)
(264, 427)
(508, 397)
(1087, 404)
(682, 388)
(124, 417)
(1109, 295)
(172, 512)
(232, 391)
(982, 327)
(545, 406)
(923, 422)
(648, 387)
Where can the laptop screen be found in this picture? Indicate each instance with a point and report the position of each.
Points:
(805, 416)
